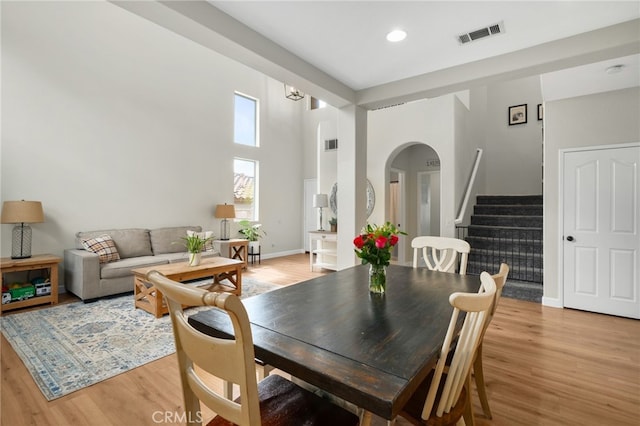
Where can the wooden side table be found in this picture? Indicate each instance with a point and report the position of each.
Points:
(235, 248)
(33, 263)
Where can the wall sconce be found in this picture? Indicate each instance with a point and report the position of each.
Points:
(292, 93)
(225, 212)
(21, 212)
(320, 201)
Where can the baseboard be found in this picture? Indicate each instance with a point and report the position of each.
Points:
(282, 253)
(552, 302)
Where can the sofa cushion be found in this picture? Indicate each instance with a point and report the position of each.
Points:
(123, 267)
(103, 246)
(170, 240)
(132, 242)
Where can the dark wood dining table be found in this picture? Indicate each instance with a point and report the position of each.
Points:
(370, 350)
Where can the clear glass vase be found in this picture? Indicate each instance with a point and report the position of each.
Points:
(377, 278)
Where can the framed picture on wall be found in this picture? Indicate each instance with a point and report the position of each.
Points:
(517, 114)
(540, 112)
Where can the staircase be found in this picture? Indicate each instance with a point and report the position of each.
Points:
(506, 229)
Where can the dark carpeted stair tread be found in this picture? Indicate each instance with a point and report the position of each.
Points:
(509, 199)
(506, 245)
(510, 209)
(507, 220)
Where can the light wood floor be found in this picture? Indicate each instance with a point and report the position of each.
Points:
(543, 366)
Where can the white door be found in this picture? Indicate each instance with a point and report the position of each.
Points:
(429, 203)
(601, 242)
(397, 211)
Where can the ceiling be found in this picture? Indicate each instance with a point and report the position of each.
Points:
(337, 51)
(346, 39)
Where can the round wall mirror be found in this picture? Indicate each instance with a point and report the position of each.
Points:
(371, 198)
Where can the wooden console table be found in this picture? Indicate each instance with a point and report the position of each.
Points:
(324, 245)
(33, 263)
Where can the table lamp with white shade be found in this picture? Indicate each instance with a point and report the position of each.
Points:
(320, 201)
(21, 213)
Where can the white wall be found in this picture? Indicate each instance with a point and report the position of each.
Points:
(112, 121)
(513, 151)
(318, 125)
(430, 122)
(466, 145)
(601, 119)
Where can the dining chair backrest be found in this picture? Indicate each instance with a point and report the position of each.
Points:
(231, 360)
(476, 306)
(500, 280)
(441, 253)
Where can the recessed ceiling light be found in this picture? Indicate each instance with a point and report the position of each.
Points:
(396, 35)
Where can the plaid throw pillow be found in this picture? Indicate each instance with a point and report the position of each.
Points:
(103, 246)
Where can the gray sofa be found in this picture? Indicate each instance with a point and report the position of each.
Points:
(89, 279)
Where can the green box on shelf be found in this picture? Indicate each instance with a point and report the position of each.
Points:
(23, 292)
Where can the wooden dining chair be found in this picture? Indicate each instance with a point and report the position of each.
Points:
(441, 399)
(273, 401)
(500, 280)
(441, 253)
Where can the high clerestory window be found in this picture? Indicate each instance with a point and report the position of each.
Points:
(245, 120)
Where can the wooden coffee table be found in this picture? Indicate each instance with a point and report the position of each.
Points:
(226, 276)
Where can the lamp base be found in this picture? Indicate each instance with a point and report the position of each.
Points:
(21, 242)
(321, 228)
(224, 229)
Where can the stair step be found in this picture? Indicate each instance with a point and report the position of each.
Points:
(507, 220)
(505, 232)
(509, 199)
(505, 244)
(516, 272)
(507, 209)
(515, 259)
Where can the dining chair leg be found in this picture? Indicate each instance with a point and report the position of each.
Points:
(365, 417)
(480, 386)
(467, 414)
(263, 370)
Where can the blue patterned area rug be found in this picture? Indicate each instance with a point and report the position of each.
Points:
(72, 346)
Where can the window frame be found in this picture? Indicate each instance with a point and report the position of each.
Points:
(256, 118)
(256, 191)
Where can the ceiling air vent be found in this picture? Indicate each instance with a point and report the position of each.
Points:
(481, 33)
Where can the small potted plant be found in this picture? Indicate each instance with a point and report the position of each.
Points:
(194, 244)
(253, 233)
(334, 224)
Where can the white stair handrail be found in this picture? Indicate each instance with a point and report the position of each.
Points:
(470, 182)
